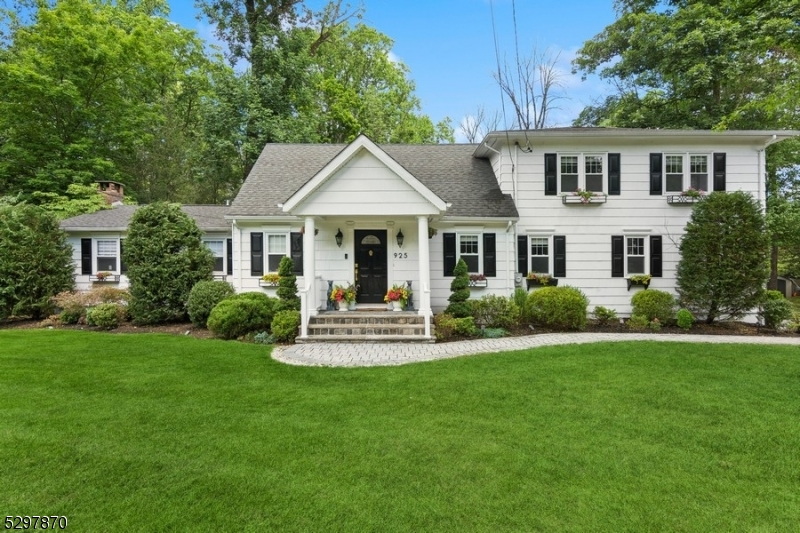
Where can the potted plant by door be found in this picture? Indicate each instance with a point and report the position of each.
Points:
(350, 296)
(338, 296)
(397, 296)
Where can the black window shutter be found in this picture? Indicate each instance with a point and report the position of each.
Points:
(297, 252)
(559, 256)
(449, 240)
(123, 268)
(550, 174)
(522, 254)
(719, 172)
(655, 173)
(614, 183)
(489, 255)
(229, 253)
(256, 253)
(86, 257)
(617, 256)
(655, 256)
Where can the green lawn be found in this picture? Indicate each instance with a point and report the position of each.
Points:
(160, 433)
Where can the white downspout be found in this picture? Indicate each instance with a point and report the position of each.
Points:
(514, 173)
(509, 261)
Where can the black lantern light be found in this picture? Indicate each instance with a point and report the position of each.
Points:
(339, 236)
(400, 238)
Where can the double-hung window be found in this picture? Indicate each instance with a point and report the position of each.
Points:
(276, 250)
(581, 171)
(107, 255)
(635, 255)
(217, 248)
(540, 255)
(683, 171)
(469, 251)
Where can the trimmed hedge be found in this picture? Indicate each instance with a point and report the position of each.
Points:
(653, 304)
(561, 308)
(285, 324)
(249, 312)
(204, 296)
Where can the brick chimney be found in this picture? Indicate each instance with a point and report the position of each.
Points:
(112, 191)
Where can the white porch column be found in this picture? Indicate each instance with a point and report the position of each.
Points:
(424, 272)
(309, 302)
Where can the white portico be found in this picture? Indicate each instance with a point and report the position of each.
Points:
(377, 213)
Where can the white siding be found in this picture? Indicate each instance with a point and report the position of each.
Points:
(364, 186)
(588, 228)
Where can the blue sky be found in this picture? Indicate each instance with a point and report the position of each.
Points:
(449, 48)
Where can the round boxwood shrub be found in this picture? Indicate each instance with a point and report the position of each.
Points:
(559, 307)
(685, 319)
(204, 296)
(105, 316)
(653, 304)
(285, 324)
(775, 309)
(493, 311)
(249, 312)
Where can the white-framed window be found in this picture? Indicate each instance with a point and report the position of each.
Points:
(683, 171)
(217, 248)
(635, 255)
(276, 249)
(582, 171)
(469, 251)
(540, 255)
(107, 255)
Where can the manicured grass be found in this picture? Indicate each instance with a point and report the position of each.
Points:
(160, 433)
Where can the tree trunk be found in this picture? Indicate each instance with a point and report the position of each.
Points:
(773, 268)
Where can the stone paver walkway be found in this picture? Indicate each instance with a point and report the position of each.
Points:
(390, 354)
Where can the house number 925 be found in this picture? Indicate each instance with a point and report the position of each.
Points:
(401, 255)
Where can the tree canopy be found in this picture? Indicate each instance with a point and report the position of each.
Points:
(96, 90)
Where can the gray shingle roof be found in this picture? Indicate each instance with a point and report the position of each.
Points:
(207, 217)
(449, 170)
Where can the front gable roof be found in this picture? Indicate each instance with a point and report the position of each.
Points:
(449, 171)
(358, 147)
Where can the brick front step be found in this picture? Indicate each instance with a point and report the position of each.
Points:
(361, 326)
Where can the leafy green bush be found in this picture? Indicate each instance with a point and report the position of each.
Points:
(521, 299)
(685, 319)
(655, 324)
(654, 304)
(74, 304)
(459, 306)
(774, 309)
(494, 311)
(562, 308)
(287, 286)
(465, 326)
(166, 258)
(70, 316)
(604, 315)
(443, 326)
(239, 315)
(35, 261)
(638, 322)
(105, 316)
(203, 297)
(285, 324)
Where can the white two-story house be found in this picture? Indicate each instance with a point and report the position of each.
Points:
(380, 215)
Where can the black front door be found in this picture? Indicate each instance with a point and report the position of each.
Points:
(370, 255)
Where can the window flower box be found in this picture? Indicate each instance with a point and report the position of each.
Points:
(220, 277)
(642, 280)
(580, 197)
(540, 280)
(270, 279)
(104, 277)
(682, 199)
(478, 281)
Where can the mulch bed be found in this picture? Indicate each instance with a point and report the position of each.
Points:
(720, 328)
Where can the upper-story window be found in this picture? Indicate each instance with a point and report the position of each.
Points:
(581, 171)
(683, 171)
